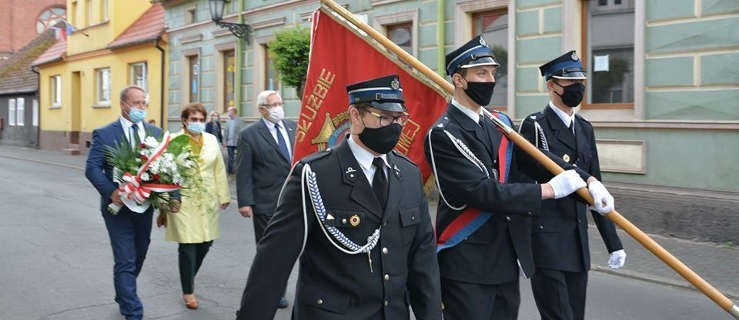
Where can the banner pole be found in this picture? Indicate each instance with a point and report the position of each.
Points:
(641, 237)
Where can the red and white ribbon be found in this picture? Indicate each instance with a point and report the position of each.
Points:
(133, 192)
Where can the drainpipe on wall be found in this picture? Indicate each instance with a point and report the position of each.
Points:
(161, 87)
(38, 99)
(441, 37)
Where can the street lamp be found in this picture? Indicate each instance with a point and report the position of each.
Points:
(239, 30)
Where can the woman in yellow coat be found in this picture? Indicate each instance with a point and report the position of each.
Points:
(196, 224)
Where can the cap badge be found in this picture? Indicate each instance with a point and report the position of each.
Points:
(574, 57)
(395, 84)
(483, 43)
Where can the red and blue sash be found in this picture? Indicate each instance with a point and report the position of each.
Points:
(471, 219)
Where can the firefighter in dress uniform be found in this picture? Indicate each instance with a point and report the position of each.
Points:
(483, 222)
(359, 216)
(560, 231)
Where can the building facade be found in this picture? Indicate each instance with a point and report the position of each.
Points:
(663, 82)
(115, 44)
(19, 110)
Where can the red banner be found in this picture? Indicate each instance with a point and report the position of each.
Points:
(338, 57)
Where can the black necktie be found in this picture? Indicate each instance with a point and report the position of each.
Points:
(379, 182)
(281, 143)
(135, 140)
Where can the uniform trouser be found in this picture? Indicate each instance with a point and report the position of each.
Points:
(130, 235)
(471, 301)
(260, 223)
(191, 258)
(560, 295)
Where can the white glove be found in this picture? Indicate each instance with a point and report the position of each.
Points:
(602, 199)
(566, 183)
(617, 259)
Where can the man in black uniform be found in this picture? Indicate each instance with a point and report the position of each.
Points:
(560, 238)
(483, 223)
(359, 216)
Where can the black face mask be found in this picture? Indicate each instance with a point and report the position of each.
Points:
(480, 92)
(572, 95)
(383, 139)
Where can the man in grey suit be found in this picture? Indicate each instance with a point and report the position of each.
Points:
(264, 158)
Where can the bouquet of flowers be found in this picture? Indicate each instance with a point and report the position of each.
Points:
(147, 173)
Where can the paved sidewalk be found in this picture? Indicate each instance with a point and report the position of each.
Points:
(716, 263)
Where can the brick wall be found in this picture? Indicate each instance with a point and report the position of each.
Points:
(18, 22)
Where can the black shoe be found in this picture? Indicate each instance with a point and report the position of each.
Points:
(283, 303)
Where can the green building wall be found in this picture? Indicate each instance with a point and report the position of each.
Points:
(687, 118)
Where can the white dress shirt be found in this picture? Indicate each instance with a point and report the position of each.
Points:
(271, 126)
(364, 158)
(126, 125)
(566, 118)
(474, 116)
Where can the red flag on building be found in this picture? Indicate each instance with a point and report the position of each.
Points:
(339, 57)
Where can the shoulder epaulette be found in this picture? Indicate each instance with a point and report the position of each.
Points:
(402, 156)
(535, 116)
(581, 118)
(315, 156)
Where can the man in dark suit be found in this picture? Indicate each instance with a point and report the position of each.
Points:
(264, 159)
(359, 216)
(560, 231)
(483, 222)
(129, 232)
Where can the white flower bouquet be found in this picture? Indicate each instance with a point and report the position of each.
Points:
(151, 173)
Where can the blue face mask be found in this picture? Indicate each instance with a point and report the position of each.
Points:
(136, 115)
(196, 127)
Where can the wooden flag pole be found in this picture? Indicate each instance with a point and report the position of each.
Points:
(644, 239)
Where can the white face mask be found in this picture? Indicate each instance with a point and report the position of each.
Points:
(276, 114)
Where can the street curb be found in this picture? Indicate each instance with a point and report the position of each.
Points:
(656, 279)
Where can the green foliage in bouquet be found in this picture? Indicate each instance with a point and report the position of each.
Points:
(122, 156)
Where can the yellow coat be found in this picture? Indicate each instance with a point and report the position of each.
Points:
(198, 218)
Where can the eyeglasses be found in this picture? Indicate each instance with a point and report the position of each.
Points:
(386, 120)
(272, 105)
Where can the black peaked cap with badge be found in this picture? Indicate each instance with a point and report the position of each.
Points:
(383, 93)
(566, 66)
(475, 52)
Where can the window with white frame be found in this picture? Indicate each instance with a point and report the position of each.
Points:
(20, 110)
(89, 12)
(608, 53)
(271, 76)
(194, 75)
(402, 35)
(11, 112)
(137, 74)
(104, 10)
(55, 86)
(493, 27)
(229, 79)
(401, 29)
(102, 87)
